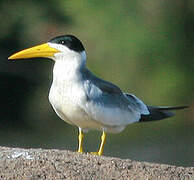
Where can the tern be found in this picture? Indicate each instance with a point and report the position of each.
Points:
(84, 100)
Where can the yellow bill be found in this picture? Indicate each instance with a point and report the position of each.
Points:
(43, 50)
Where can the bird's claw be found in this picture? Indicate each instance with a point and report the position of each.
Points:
(95, 153)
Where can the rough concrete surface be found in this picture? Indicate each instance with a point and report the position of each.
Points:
(32, 164)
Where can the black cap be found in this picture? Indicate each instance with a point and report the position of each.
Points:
(70, 41)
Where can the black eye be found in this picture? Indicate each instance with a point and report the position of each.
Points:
(62, 42)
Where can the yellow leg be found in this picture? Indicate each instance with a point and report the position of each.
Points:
(100, 151)
(103, 139)
(80, 138)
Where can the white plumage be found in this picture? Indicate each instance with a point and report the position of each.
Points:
(84, 100)
(78, 101)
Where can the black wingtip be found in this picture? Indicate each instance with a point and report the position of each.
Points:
(160, 112)
(169, 108)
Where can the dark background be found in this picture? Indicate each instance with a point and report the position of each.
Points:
(145, 47)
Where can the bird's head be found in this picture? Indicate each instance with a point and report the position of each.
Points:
(58, 48)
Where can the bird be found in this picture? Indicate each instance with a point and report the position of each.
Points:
(82, 99)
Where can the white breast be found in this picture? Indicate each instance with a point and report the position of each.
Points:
(69, 99)
(67, 106)
(67, 96)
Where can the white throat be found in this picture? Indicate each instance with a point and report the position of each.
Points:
(68, 65)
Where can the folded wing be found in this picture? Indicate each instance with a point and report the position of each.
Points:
(107, 104)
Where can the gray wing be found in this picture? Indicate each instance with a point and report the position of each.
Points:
(108, 104)
(137, 103)
(105, 86)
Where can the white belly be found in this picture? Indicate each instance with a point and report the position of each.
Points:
(68, 108)
(66, 104)
(68, 98)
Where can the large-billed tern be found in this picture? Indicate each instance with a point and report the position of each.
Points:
(84, 100)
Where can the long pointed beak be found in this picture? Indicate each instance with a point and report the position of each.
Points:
(43, 50)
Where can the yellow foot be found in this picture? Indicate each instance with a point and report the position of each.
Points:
(100, 151)
(95, 153)
(81, 152)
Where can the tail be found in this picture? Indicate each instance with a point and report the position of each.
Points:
(158, 113)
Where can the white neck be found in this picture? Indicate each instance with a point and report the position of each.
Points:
(67, 66)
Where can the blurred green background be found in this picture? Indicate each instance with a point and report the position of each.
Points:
(145, 47)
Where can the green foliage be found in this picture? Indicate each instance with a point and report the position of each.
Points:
(145, 47)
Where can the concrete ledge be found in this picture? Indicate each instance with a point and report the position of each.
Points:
(31, 164)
